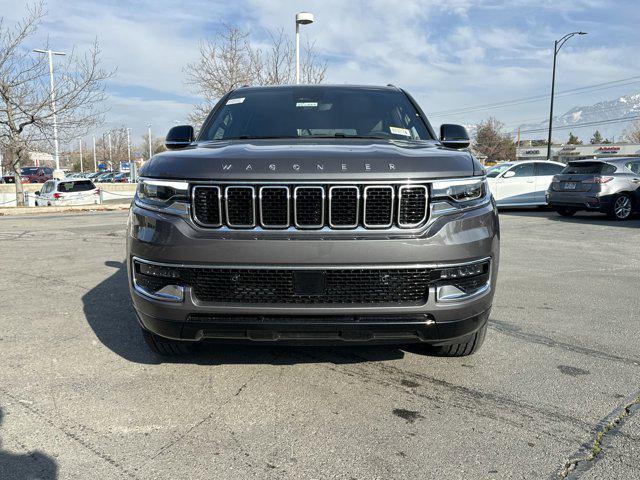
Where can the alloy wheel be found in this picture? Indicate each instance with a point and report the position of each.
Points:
(622, 207)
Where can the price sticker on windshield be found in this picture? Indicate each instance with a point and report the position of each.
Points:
(400, 131)
(306, 104)
(234, 101)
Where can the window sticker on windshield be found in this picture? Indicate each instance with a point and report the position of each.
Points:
(233, 101)
(306, 104)
(400, 131)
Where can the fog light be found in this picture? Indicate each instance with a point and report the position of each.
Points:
(157, 271)
(463, 282)
(463, 271)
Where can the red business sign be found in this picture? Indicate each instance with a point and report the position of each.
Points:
(609, 149)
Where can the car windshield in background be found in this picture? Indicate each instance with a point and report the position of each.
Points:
(589, 168)
(29, 170)
(498, 169)
(321, 112)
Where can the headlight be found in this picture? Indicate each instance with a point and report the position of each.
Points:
(464, 192)
(164, 195)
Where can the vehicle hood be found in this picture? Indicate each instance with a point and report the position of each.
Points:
(312, 159)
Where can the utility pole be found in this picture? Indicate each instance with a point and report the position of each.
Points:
(95, 161)
(556, 48)
(81, 164)
(129, 155)
(110, 153)
(51, 53)
(150, 149)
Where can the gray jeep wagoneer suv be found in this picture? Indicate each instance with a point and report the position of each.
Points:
(312, 215)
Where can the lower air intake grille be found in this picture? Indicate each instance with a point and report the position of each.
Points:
(333, 286)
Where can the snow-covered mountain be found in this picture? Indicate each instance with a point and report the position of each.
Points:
(625, 107)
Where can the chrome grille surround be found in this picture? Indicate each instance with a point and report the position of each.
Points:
(195, 198)
(229, 191)
(261, 197)
(335, 188)
(296, 209)
(404, 188)
(379, 188)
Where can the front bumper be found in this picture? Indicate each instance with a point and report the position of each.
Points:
(452, 240)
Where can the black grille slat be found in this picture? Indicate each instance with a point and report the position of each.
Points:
(378, 206)
(309, 207)
(342, 286)
(206, 206)
(344, 206)
(240, 206)
(412, 207)
(274, 207)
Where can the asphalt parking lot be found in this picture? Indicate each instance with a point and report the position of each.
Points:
(82, 397)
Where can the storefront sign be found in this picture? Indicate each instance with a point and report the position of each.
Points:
(609, 149)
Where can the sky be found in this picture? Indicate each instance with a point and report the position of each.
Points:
(449, 54)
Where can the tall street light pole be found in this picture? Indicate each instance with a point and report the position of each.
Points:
(51, 53)
(150, 149)
(81, 164)
(110, 152)
(556, 48)
(95, 158)
(302, 18)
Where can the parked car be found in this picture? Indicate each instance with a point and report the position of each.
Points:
(67, 192)
(610, 186)
(523, 183)
(314, 214)
(106, 177)
(121, 178)
(31, 175)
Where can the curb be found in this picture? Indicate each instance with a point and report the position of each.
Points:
(14, 211)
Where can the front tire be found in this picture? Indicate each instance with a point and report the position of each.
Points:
(469, 347)
(566, 212)
(165, 347)
(621, 207)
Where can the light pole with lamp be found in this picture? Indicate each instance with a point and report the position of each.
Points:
(302, 18)
(150, 149)
(556, 48)
(51, 53)
(95, 159)
(81, 164)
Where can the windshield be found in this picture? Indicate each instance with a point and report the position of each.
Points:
(29, 170)
(303, 112)
(498, 169)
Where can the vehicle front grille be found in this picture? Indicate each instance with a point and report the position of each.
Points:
(331, 286)
(310, 206)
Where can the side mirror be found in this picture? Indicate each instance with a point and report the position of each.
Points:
(454, 136)
(509, 174)
(179, 137)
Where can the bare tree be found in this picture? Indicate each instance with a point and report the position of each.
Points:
(231, 61)
(157, 146)
(491, 142)
(632, 134)
(26, 117)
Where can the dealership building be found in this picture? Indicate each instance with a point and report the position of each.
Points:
(566, 153)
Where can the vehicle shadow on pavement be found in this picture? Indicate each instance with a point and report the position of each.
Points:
(29, 465)
(109, 313)
(579, 217)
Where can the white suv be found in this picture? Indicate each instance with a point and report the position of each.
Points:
(70, 191)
